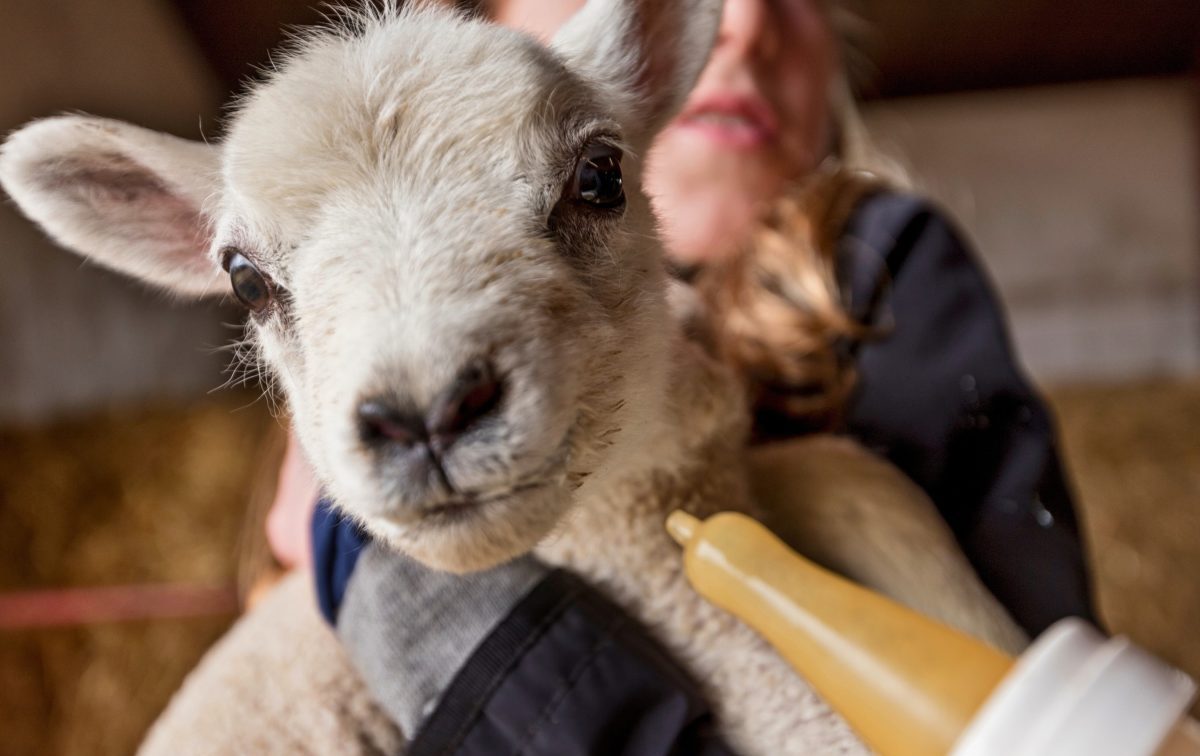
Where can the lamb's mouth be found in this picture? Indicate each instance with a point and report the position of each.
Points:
(462, 507)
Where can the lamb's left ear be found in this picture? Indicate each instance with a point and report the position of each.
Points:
(124, 196)
(647, 54)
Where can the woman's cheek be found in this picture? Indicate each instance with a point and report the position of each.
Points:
(708, 200)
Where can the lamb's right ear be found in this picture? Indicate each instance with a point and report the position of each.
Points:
(124, 196)
(647, 54)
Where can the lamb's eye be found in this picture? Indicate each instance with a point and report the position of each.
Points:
(250, 286)
(598, 178)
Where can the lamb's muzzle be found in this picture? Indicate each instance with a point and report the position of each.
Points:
(414, 441)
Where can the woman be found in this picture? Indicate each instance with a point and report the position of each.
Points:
(842, 284)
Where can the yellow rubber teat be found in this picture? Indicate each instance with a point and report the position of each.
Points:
(907, 684)
(682, 526)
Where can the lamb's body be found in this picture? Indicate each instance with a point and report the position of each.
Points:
(615, 538)
(467, 310)
(617, 541)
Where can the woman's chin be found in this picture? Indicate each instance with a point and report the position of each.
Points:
(708, 201)
(707, 227)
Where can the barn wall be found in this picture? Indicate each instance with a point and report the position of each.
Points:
(1083, 200)
(73, 337)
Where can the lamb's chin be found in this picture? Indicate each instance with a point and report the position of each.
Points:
(474, 537)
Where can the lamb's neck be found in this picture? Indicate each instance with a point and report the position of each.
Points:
(690, 460)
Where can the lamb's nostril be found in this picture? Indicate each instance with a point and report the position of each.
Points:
(473, 395)
(381, 423)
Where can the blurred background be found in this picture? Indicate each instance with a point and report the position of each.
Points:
(1063, 135)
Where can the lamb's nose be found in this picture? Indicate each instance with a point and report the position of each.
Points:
(474, 393)
(381, 423)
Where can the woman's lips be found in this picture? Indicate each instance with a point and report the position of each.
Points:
(732, 121)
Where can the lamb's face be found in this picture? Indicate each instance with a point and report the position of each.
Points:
(440, 229)
(467, 303)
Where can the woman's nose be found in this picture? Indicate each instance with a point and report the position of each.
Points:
(745, 27)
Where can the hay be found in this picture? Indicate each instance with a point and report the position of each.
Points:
(146, 496)
(1134, 452)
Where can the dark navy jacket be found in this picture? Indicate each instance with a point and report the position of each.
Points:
(940, 394)
(566, 673)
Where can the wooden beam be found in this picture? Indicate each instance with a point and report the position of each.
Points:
(915, 46)
(930, 46)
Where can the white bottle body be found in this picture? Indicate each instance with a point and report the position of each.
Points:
(1077, 693)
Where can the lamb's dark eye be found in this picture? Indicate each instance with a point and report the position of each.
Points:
(598, 178)
(250, 286)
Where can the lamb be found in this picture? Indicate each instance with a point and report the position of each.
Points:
(452, 272)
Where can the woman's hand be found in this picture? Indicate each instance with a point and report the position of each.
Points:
(289, 523)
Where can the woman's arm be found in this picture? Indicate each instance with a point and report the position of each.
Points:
(942, 396)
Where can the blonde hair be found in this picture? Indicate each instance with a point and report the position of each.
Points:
(777, 310)
(852, 146)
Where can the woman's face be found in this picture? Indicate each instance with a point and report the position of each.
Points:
(758, 117)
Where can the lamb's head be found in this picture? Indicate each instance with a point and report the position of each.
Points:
(438, 227)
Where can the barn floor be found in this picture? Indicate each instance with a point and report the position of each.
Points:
(1134, 452)
(154, 496)
(167, 495)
